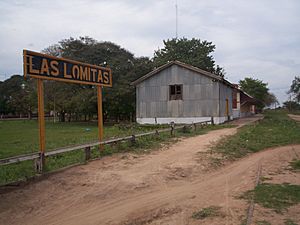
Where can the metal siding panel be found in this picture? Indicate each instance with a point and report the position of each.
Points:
(164, 93)
(142, 93)
(200, 95)
(191, 92)
(197, 91)
(225, 92)
(153, 109)
(168, 76)
(148, 109)
(161, 109)
(137, 101)
(143, 110)
(180, 109)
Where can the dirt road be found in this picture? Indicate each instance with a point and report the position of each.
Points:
(164, 187)
(294, 117)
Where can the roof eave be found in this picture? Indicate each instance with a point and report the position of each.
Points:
(189, 67)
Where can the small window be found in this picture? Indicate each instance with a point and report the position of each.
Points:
(176, 92)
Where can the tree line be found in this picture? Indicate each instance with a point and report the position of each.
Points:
(18, 97)
(77, 102)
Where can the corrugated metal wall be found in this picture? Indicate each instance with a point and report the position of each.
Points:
(225, 93)
(200, 95)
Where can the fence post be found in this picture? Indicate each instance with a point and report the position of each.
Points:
(156, 133)
(40, 162)
(87, 152)
(212, 121)
(133, 139)
(195, 126)
(172, 128)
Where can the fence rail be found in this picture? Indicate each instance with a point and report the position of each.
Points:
(87, 147)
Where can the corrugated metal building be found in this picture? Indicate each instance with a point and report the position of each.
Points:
(243, 104)
(180, 93)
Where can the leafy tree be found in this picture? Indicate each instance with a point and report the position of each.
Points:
(194, 52)
(271, 99)
(257, 89)
(78, 100)
(18, 96)
(59, 98)
(291, 105)
(295, 88)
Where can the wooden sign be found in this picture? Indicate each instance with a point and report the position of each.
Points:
(48, 67)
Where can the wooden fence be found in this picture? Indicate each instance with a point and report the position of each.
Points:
(87, 147)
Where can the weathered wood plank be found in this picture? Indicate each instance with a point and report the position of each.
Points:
(20, 158)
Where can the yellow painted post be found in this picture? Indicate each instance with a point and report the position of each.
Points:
(41, 118)
(100, 116)
(227, 107)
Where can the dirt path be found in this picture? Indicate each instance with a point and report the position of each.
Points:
(164, 187)
(294, 117)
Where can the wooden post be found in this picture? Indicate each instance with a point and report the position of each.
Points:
(100, 117)
(87, 151)
(212, 121)
(133, 141)
(156, 133)
(41, 120)
(172, 129)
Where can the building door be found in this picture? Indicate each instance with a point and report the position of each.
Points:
(227, 107)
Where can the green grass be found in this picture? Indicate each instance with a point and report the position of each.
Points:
(296, 112)
(275, 196)
(211, 211)
(276, 129)
(295, 165)
(75, 133)
(21, 137)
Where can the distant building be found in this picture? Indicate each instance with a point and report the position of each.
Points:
(243, 104)
(180, 93)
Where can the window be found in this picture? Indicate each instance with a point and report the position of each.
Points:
(175, 92)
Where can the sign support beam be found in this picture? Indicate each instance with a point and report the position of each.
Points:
(41, 66)
(100, 115)
(41, 120)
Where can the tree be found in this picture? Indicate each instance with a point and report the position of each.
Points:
(81, 100)
(271, 99)
(18, 96)
(295, 89)
(257, 89)
(291, 105)
(194, 52)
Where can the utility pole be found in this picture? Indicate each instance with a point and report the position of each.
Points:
(176, 12)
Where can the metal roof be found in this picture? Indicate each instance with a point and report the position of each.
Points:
(186, 66)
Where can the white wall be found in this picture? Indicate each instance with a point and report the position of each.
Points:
(236, 113)
(180, 120)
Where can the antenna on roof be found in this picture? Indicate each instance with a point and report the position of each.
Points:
(176, 12)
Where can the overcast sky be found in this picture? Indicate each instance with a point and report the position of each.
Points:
(257, 38)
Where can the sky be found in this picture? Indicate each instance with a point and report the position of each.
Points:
(257, 38)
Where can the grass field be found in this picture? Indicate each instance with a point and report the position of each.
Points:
(275, 196)
(276, 129)
(19, 137)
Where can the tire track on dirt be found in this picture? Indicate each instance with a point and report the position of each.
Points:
(117, 189)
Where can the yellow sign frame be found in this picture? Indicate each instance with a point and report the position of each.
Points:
(40, 92)
(60, 67)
